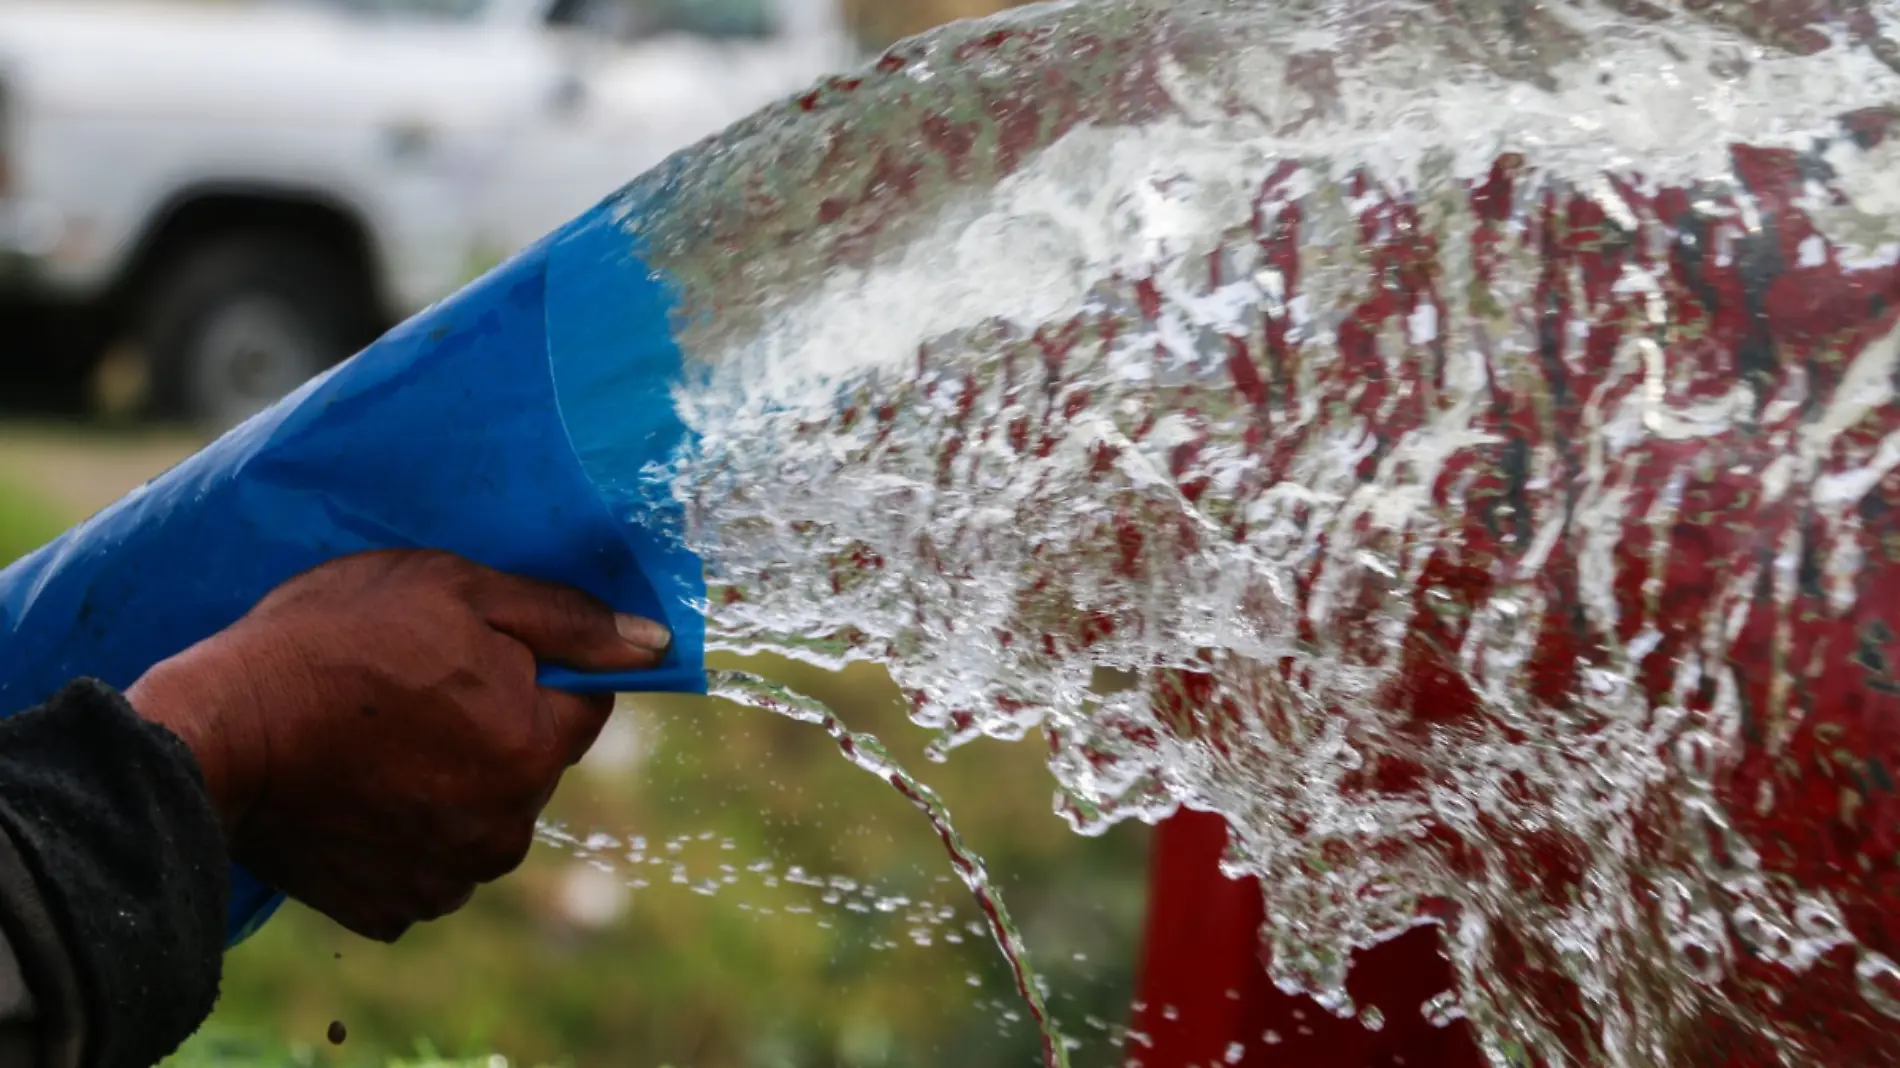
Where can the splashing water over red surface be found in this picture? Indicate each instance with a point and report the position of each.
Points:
(1454, 442)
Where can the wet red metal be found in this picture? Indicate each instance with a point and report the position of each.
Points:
(1823, 748)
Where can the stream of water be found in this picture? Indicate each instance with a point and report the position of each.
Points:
(869, 754)
(1464, 429)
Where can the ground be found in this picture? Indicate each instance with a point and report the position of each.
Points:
(79, 471)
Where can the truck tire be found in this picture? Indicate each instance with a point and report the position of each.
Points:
(233, 325)
(47, 356)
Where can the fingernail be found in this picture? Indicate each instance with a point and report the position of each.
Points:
(644, 633)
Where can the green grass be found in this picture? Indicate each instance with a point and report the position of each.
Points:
(216, 1047)
(26, 522)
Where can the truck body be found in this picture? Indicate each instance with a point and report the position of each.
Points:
(247, 192)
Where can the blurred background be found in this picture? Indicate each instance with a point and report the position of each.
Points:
(204, 203)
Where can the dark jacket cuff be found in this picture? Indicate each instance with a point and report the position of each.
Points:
(111, 823)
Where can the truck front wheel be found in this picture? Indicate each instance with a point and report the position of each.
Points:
(233, 325)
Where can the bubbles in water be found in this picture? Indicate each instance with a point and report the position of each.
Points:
(1456, 444)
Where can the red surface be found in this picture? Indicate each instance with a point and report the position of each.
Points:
(1202, 966)
(1807, 775)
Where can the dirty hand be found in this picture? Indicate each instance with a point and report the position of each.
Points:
(372, 735)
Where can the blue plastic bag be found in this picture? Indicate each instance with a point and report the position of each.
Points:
(464, 429)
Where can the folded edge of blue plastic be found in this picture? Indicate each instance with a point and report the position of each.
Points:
(448, 433)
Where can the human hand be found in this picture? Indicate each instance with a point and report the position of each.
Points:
(372, 734)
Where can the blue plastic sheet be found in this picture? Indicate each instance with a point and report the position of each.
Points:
(462, 430)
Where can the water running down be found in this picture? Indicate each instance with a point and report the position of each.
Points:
(869, 754)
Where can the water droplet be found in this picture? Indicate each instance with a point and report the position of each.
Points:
(1878, 980)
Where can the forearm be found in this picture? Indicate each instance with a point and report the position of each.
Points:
(113, 880)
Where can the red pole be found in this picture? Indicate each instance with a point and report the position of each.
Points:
(1205, 999)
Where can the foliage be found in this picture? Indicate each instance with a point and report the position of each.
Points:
(217, 1047)
(26, 522)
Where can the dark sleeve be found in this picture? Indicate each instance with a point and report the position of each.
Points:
(113, 880)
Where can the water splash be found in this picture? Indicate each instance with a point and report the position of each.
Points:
(1456, 442)
(706, 864)
(869, 754)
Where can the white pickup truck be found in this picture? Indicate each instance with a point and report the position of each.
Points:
(246, 192)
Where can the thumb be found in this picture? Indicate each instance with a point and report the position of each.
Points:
(562, 625)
